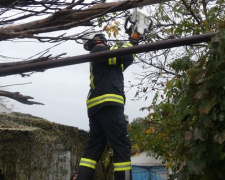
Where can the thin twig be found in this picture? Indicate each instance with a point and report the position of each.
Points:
(15, 84)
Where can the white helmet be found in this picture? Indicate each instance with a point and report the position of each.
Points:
(88, 37)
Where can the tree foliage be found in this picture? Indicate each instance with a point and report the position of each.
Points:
(172, 20)
(185, 125)
(203, 103)
(186, 128)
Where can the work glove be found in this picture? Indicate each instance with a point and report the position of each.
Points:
(134, 42)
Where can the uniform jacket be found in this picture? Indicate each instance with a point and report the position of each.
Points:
(106, 80)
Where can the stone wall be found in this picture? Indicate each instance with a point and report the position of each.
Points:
(33, 148)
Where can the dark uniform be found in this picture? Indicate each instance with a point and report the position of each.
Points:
(105, 105)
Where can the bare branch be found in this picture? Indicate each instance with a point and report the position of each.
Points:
(19, 97)
(192, 12)
(205, 8)
(15, 85)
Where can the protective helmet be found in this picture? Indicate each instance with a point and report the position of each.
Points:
(88, 39)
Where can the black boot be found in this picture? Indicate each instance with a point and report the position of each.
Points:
(123, 175)
(85, 173)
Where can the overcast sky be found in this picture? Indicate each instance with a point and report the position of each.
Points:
(63, 90)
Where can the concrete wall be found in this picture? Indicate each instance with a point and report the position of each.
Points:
(143, 160)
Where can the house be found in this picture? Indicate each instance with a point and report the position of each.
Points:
(145, 167)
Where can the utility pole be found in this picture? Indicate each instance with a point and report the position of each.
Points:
(38, 66)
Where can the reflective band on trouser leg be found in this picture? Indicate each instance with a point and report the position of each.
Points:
(105, 98)
(122, 166)
(88, 163)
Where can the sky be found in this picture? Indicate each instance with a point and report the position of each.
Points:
(63, 90)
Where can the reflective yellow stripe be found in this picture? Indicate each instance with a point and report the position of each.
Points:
(91, 77)
(88, 163)
(129, 45)
(122, 166)
(112, 61)
(105, 98)
(122, 67)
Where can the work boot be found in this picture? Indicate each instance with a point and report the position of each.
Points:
(85, 173)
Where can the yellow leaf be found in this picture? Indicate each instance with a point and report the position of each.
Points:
(117, 23)
(114, 34)
(129, 128)
(138, 150)
(105, 28)
(136, 146)
(168, 165)
(150, 130)
(137, 153)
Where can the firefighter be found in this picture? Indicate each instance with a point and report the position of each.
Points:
(105, 104)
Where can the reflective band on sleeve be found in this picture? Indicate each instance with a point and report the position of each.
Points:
(88, 163)
(105, 98)
(122, 67)
(122, 166)
(112, 61)
(129, 45)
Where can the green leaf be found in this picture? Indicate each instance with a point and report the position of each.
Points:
(222, 104)
(213, 114)
(221, 116)
(220, 137)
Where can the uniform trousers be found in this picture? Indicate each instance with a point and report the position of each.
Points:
(107, 124)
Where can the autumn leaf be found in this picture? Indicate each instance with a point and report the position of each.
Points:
(138, 150)
(168, 165)
(117, 23)
(150, 130)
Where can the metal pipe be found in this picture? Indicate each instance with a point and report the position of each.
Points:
(106, 54)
